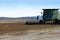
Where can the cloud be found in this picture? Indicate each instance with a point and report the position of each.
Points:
(20, 12)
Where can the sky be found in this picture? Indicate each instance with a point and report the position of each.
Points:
(22, 8)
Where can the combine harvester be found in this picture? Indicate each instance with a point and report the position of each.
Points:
(50, 16)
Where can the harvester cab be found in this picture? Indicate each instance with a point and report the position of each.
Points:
(49, 15)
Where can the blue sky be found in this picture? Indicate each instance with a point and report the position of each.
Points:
(19, 8)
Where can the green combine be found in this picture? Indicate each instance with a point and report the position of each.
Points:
(50, 15)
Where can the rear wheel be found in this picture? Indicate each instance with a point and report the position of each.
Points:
(41, 22)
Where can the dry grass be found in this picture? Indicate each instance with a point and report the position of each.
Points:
(19, 26)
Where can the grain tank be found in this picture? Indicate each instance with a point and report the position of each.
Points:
(49, 15)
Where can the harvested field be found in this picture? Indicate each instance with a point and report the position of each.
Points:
(19, 31)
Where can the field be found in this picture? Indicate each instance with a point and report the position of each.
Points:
(17, 30)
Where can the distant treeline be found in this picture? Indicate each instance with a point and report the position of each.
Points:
(18, 18)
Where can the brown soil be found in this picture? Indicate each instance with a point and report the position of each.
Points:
(19, 27)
